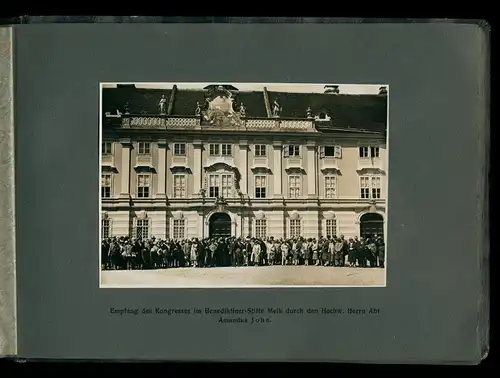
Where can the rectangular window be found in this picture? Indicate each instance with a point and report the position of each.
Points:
(295, 228)
(106, 181)
(226, 149)
(213, 186)
(370, 187)
(144, 148)
(260, 186)
(106, 148)
(179, 186)
(260, 150)
(330, 152)
(375, 187)
(330, 186)
(369, 152)
(364, 152)
(261, 228)
(220, 185)
(227, 185)
(293, 150)
(143, 186)
(178, 229)
(142, 228)
(365, 187)
(180, 149)
(105, 229)
(214, 149)
(331, 228)
(374, 152)
(294, 186)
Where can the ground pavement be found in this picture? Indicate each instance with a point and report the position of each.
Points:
(245, 276)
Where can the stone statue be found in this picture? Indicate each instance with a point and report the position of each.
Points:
(309, 112)
(276, 108)
(197, 112)
(126, 108)
(243, 110)
(163, 105)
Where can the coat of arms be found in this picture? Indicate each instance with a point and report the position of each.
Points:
(220, 110)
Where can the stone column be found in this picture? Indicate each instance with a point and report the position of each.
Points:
(198, 167)
(162, 160)
(244, 166)
(125, 169)
(277, 169)
(311, 170)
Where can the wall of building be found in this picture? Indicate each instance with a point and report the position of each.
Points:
(121, 209)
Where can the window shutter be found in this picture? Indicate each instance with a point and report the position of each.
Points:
(338, 152)
(322, 152)
(286, 151)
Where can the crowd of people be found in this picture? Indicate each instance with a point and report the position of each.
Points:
(137, 253)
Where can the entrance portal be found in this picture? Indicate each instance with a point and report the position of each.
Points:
(219, 225)
(372, 224)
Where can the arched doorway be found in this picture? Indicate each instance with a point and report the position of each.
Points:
(371, 224)
(219, 225)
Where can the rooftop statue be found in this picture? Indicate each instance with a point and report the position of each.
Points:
(163, 105)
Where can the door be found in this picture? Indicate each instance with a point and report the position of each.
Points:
(219, 225)
(372, 224)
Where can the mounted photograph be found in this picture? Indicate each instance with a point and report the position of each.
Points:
(207, 185)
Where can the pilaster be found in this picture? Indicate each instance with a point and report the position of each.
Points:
(162, 161)
(244, 166)
(198, 167)
(311, 171)
(278, 169)
(125, 169)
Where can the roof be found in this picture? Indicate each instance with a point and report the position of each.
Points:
(361, 112)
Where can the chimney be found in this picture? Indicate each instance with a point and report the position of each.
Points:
(382, 91)
(333, 89)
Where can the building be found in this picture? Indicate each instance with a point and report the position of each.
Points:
(220, 161)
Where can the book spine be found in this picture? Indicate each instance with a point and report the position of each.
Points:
(8, 326)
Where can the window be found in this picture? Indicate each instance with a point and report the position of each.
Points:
(106, 181)
(226, 149)
(179, 186)
(220, 185)
(260, 150)
(144, 148)
(331, 228)
(369, 152)
(260, 186)
(178, 229)
(330, 152)
(295, 228)
(105, 229)
(291, 151)
(143, 185)
(375, 187)
(142, 228)
(370, 187)
(261, 228)
(214, 149)
(330, 186)
(220, 149)
(294, 185)
(180, 149)
(106, 148)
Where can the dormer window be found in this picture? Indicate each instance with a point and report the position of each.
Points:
(322, 117)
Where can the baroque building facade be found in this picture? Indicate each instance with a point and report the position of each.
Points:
(219, 162)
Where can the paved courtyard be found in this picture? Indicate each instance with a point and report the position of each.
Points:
(245, 276)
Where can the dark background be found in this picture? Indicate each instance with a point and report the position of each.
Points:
(429, 309)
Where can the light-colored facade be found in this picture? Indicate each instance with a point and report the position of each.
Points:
(165, 176)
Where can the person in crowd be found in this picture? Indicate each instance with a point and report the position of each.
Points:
(152, 253)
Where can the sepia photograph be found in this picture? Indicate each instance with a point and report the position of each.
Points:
(236, 185)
